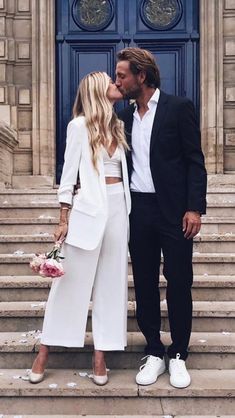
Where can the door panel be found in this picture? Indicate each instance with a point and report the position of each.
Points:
(89, 34)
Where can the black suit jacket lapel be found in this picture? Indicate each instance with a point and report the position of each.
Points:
(159, 117)
(128, 120)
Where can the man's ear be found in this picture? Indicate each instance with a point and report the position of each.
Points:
(142, 76)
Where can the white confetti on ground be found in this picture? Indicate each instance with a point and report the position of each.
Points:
(226, 333)
(18, 252)
(23, 335)
(23, 341)
(202, 341)
(83, 374)
(34, 305)
(205, 274)
(46, 217)
(53, 385)
(17, 376)
(71, 384)
(5, 202)
(25, 377)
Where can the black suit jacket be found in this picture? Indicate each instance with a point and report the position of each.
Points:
(176, 158)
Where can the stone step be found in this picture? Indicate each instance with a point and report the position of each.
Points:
(217, 225)
(204, 263)
(50, 207)
(36, 243)
(36, 288)
(27, 243)
(19, 226)
(205, 351)
(215, 243)
(105, 416)
(221, 210)
(211, 391)
(46, 223)
(33, 209)
(207, 316)
(24, 196)
(116, 416)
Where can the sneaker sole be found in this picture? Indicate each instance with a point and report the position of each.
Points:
(153, 381)
(180, 386)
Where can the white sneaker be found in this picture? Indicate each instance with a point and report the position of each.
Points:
(150, 371)
(179, 376)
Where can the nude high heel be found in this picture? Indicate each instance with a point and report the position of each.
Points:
(100, 380)
(36, 377)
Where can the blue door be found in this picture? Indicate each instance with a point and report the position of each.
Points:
(90, 32)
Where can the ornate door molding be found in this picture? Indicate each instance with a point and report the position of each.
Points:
(43, 89)
(211, 81)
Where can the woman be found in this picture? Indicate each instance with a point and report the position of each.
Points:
(95, 248)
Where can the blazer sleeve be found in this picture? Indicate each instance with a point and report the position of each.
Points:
(72, 158)
(194, 158)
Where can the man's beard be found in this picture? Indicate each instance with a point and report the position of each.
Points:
(132, 94)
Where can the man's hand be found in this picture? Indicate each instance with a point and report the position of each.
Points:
(191, 224)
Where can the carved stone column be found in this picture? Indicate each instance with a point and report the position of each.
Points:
(43, 88)
(211, 80)
(8, 141)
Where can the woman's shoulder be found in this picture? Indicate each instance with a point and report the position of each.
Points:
(78, 121)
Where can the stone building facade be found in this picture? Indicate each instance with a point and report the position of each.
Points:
(27, 90)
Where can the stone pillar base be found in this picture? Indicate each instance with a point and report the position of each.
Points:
(8, 141)
(32, 182)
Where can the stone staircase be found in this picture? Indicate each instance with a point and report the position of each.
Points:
(27, 221)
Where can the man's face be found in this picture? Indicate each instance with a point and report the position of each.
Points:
(129, 84)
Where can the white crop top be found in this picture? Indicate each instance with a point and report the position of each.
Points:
(112, 165)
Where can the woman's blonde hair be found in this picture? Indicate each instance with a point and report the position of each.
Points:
(102, 123)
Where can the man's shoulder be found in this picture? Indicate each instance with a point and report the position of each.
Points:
(174, 100)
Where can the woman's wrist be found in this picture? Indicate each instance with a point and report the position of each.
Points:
(64, 209)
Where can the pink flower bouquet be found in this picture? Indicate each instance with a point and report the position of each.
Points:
(48, 264)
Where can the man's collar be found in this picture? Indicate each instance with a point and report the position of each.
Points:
(153, 99)
(155, 96)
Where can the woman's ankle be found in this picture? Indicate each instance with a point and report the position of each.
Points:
(99, 365)
(40, 361)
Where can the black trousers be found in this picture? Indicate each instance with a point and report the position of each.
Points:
(149, 234)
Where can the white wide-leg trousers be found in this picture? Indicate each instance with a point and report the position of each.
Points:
(101, 273)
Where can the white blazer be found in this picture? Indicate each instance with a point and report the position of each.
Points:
(89, 211)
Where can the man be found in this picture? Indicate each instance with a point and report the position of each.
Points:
(168, 188)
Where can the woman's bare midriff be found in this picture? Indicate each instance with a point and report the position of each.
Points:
(112, 180)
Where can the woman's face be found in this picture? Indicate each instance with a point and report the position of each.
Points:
(113, 94)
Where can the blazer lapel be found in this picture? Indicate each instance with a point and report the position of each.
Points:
(128, 121)
(159, 117)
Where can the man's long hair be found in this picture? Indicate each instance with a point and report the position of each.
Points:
(102, 123)
(141, 60)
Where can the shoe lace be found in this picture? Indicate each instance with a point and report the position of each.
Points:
(179, 364)
(149, 361)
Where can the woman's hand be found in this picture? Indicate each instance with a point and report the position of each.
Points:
(61, 231)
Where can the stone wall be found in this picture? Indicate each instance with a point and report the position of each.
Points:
(16, 77)
(229, 85)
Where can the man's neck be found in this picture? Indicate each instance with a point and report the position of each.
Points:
(143, 99)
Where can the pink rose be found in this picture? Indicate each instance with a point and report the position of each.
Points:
(51, 268)
(37, 261)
